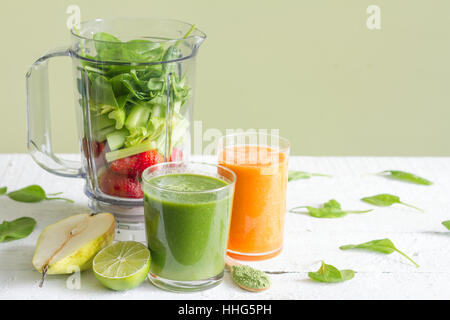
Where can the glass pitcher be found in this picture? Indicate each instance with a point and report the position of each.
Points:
(134, 88)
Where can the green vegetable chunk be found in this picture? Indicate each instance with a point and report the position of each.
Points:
(116, 139)
(138, 117)
(3, 190)
(123, 153)
(250, 277)
(330, 209)
(329, 274)
(382, 245)
(16, 229)
(119, 117)
(297, 175)
(405, 176)
(386, 200)
(446, 224)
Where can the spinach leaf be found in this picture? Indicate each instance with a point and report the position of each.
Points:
(33, 193)
(297, 175)
(405, 176)
(330, 274)
(141, 50)
(386, 200)
(3, 190)
(103, 39)
(155, 84)
(446, 224)
(172, 53)
(108, 47)
(128, 84)
(16, 229)
(382, 245)
(101, 93)
(330, 209)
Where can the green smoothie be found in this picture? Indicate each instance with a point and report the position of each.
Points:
(187, 222)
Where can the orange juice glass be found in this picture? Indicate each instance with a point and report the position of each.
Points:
(260, 162)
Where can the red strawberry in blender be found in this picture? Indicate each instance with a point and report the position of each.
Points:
(119, 185)
(99, 149)
(177, 155)
(134, 165)
(96, 148)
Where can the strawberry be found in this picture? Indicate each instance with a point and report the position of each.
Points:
(120, 186)
(96, 147)
(177, 155)
(99, 150)
(134, 165)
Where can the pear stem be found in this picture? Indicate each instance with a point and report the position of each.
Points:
(44, 273)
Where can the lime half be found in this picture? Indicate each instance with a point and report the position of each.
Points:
(122, 265)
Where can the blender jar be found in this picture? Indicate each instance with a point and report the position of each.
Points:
(134, 87)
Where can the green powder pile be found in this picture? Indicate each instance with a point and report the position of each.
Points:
(249, 277)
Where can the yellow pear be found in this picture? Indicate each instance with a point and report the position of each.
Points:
(71, 244)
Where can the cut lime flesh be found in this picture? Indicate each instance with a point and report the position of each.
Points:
(122, 265)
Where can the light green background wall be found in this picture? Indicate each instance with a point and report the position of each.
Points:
(310, 68)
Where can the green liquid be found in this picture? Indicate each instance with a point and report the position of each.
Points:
(187, 233)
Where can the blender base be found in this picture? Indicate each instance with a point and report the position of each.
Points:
(123, 234)
(127, 217)
(130, 224)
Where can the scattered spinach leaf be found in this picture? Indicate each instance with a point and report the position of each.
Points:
(33, 193)
(405, 176)
(386, 200)
(3, 190)
(330, 209)
(297, 175)
(382, 245)
(328, 273)
(446, 224)
(16, 229)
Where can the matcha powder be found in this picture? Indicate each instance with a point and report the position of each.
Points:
(249, 277)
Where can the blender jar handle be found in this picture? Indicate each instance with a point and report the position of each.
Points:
(38, 119)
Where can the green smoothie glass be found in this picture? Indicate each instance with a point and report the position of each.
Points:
(187, 210)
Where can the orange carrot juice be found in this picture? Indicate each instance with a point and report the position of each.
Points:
(257, 220)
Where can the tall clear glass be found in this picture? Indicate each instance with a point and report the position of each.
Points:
(187, 218)
(134, 87)
(260, 162)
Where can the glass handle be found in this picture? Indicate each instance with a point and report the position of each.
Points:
(38, 119)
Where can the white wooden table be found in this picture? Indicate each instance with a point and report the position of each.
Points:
(307, 240)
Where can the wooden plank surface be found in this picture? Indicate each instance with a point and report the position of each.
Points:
(307, 240)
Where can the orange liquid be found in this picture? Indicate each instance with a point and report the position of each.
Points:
(259, 205)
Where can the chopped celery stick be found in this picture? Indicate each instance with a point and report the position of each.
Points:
(119, 116)
(138, 117)
(100, 135)
(102, 121)
(123, 153)
(116, 139)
